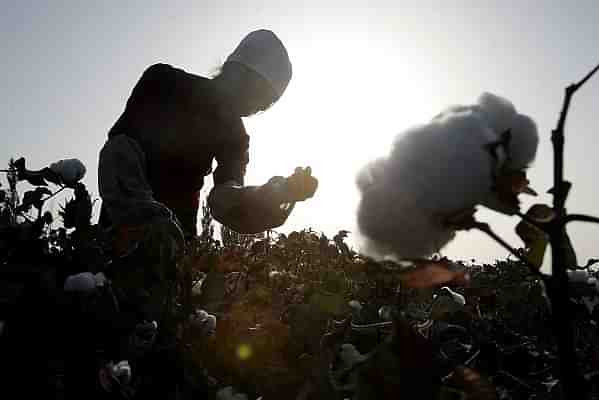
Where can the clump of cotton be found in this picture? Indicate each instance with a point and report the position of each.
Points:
(438, 169)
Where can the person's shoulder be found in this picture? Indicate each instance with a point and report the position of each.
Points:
(164, 77)
(164, 69)
(167, 71)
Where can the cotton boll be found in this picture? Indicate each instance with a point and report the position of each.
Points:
(201, 315)
(370, 174)
(499, 112)
(84, 282)
(203, 323)
(433, 171)
(100, 279)
(523, 144)
(457, 297)
(437, 170)
(502, 116)
(445, 304)
(70, 170)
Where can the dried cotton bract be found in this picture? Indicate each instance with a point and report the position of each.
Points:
(439, 169)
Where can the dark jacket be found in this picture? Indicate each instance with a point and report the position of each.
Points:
(182, 127)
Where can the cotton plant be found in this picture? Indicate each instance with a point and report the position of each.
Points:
(415, 198)
(66, 172)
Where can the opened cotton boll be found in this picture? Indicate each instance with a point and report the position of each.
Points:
(84, 282)
(464, 157)
(203, 323)
(446, 303)
(228, 393)
(70, 170)
(456, 297)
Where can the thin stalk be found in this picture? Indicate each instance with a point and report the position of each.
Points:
(570, 376)
(488, 231)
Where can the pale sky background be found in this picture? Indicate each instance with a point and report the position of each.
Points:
(363, 72)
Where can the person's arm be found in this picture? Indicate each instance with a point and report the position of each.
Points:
(123, 186)
(253, 209)
(248, 209)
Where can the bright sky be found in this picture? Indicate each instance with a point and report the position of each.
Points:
(363, 72)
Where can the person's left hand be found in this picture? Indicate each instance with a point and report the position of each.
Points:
(301, 185)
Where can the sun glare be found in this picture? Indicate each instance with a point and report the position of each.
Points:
(335, 117)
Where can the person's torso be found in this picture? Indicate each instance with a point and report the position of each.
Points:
(181, 126)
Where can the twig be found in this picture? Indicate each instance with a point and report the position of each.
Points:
(586, 78)
(580, 218)
(487, 230)
(55, 193)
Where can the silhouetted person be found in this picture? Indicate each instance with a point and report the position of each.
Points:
(152, 167)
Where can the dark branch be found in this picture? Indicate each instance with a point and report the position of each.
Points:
(586, 78)
(580, 218)
(487, 229)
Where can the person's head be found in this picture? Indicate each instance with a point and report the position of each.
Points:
(257, 73)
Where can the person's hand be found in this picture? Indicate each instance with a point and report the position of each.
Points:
(301, 185)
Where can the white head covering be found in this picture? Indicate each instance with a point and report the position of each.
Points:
(264, 53)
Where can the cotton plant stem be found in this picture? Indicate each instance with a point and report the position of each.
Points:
(569, 373)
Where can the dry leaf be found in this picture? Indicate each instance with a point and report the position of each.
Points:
(430, 274)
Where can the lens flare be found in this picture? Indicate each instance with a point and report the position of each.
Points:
(244, 352)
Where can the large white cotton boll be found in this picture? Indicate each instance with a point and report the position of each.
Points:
(437, 170)
(524, 142)
(524, 138)
(499, 111)
(433, 171)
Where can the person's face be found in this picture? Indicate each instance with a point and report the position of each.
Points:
(253, 93)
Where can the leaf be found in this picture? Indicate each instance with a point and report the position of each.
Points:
(36, 178)
(475, 386)
(431, 274)
(33, 198)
